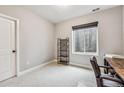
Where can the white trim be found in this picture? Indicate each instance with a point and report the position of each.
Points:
(80, 65)
(8, 17)
(16, 38)
(55, 60)
(17, 49)
(85, 53)
(34, 68)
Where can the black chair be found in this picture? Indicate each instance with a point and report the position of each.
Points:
(104, 80)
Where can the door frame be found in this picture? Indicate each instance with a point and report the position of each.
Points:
(17, 56)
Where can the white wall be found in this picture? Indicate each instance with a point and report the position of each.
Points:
(109, 32)
(36, 36)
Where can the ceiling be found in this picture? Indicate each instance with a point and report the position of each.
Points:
(58, 13)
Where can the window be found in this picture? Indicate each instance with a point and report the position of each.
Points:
(85, 39)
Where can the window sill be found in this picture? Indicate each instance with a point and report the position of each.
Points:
(86, 54)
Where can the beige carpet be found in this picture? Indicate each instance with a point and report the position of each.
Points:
(53, 75)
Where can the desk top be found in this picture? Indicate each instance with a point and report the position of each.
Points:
(117, 65)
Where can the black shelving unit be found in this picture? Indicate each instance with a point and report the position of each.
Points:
(63, 51)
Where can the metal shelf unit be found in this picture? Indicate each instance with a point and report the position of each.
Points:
(63, 51)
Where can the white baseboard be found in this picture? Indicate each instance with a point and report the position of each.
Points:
(80, 65)
(33, 68)
(55, 60)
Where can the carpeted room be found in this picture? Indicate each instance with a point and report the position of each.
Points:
(38, 32)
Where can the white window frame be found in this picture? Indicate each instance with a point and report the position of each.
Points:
(84, 53)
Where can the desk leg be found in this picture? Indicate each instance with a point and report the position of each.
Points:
(105, 64)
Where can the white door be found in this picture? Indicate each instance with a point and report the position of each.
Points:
(7, 45)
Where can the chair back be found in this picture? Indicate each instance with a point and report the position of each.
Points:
(95, 66)
(97, 71)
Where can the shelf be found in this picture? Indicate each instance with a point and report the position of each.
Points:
(63, 56)
(62, 61)
(63, 50)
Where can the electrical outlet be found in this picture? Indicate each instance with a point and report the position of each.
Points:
(28, 62)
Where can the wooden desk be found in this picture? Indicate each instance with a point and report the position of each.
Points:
(117, 65)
